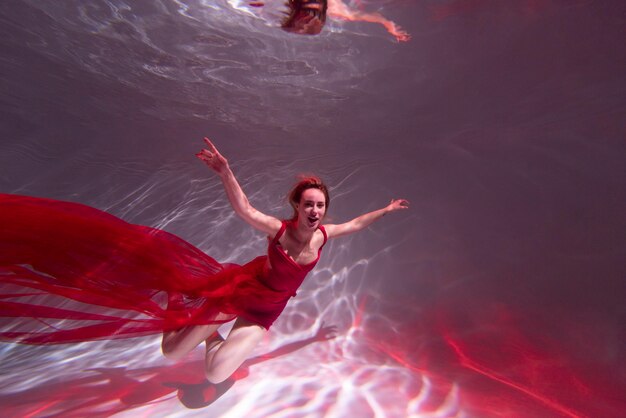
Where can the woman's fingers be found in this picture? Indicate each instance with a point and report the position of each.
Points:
(399, 203)
(211, 146)
(212, 158)
(205, 156)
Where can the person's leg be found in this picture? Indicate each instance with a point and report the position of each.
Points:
(223, 358)
(176, 344)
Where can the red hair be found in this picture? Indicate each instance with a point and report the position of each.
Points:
(305, 183)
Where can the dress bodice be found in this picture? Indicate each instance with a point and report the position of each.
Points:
(285, 274)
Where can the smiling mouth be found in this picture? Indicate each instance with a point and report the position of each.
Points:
(313, 220)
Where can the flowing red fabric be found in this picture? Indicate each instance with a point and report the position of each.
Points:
(69, 273)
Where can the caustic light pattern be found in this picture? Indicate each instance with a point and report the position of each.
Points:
(437, 366)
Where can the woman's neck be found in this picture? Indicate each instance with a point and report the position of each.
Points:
(301, 233)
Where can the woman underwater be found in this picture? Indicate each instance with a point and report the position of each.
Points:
(70, 262)
(308, 17)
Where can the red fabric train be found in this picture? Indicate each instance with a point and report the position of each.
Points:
(69, 272)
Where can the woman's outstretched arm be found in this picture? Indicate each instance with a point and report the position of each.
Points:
(365, 220)
(237, 198)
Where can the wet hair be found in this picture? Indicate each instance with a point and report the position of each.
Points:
(305, 183)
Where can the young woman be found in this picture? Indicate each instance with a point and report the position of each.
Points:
(308, 17)
(70, 262)
(293, 251)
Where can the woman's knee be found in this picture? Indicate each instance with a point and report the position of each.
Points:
(176, 344)
(171, 351)
(172, 348)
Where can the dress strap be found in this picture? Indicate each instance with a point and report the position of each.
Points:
(325, 235)
(281, 231)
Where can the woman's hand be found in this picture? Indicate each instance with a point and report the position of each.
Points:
(397, 204)
(325, 332)
(213, 158)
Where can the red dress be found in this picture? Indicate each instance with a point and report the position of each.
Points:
(282, 278)
(70, 273)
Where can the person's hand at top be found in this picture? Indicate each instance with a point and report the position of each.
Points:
(397, 204)
(213, 158)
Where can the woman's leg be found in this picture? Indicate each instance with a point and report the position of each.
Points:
(176, 344)
(224, 357)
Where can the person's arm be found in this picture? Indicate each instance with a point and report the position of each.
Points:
(363, 221)
(237, 198)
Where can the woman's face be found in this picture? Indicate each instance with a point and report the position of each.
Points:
(306, 16)
(312, 208)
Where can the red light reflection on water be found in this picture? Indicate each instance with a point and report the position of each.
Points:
(429, 366)
(507, 367)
